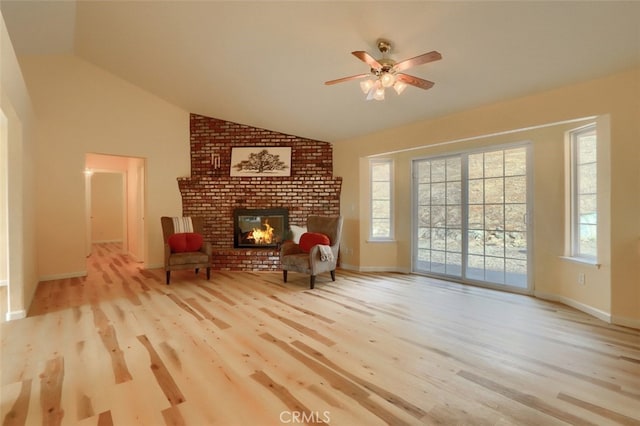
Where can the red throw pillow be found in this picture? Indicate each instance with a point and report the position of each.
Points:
(310, 239)
(185, 242)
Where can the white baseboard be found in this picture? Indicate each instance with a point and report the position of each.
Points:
(348, 267)
(600, 314)
(385, 269)
(626, 322)
(153, 265)
(134, 257)
(15, 315)
(4, 283)
(375, 268)
(63, 276)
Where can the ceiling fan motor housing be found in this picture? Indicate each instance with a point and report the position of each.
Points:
(384, 46)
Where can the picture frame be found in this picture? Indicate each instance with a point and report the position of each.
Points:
(265, 161)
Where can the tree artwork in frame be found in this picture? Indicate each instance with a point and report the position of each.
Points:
(261, 161)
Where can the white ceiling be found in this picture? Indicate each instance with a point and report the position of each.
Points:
(264, 63)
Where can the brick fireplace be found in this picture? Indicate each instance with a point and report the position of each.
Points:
(211, 192)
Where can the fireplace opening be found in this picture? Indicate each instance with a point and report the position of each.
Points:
(260, 227)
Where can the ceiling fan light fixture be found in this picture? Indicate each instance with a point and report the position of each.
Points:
(366, 86)
(399, 87)
(387, 79)
(378, 95)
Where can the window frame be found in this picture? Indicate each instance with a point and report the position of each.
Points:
(575, 242)
(390, 163)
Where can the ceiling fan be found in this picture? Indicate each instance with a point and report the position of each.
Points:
(385, 72)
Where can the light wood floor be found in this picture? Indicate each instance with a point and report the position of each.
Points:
(122, 348)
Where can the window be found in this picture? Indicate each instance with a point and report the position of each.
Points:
(584, 206)
(381, 175)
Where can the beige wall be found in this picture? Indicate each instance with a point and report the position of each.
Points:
(19, 181)
(83, 109)
(611, 292)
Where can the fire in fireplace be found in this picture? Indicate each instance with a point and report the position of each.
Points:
(260, 227)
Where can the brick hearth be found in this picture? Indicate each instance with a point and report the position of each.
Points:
(213, 194)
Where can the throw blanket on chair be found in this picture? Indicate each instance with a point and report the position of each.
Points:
(182, 225)
(326, 255)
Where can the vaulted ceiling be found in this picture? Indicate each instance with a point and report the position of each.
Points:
(263, 63)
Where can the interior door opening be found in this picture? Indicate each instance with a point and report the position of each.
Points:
(115, 186)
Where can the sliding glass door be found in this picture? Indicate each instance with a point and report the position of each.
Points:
(470, 213)
(438, 186)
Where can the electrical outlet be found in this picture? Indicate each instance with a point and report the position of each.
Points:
(581, 278)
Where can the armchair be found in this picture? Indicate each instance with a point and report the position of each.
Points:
(185, 249)
(320, 258)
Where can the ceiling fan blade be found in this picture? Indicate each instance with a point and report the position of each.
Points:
(365, 57)
(418, 60)
(415, 81)
(340, 80)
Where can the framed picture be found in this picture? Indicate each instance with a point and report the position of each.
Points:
(261, 161)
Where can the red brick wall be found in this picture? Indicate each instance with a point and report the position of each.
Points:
(214, 194)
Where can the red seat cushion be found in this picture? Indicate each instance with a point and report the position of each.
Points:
(185, 242)
(310, 239)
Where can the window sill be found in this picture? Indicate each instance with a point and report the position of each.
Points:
(582, 261)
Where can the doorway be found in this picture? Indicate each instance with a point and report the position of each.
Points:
(114, 203)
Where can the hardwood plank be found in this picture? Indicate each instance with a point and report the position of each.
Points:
(300, 327)
(163, 376)
(524, 398)
(396, 400)
(282, 393)
(104, 419)
(304, 311)
(85, 408)
(339, 383)
(108, 334)
(602, 411)
(185, 307)
(172, 416)
(206, 314)
(51, 392)
(17, 415)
